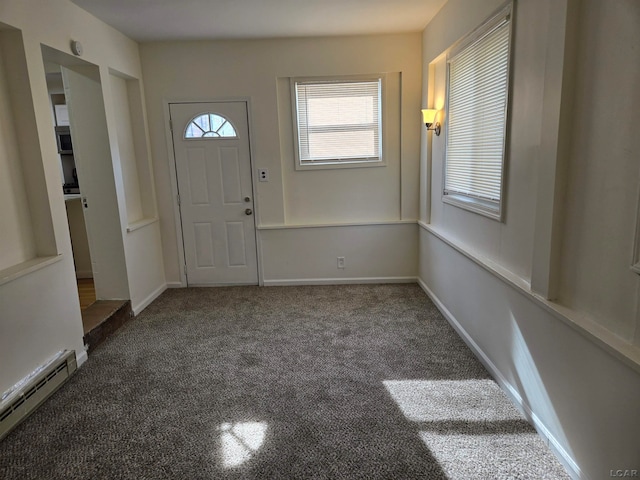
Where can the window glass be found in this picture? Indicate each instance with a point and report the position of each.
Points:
(338, 121)
(210, 125)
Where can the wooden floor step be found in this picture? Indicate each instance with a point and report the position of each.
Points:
(102, 318)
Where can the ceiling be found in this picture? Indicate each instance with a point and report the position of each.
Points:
(151, 20)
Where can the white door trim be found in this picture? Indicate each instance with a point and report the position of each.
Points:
(173, 174)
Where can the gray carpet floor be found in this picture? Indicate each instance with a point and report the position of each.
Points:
(335, 382)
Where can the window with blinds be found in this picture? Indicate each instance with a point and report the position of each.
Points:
(477, 109)
(338, 121)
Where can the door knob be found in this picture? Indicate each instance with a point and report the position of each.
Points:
(248, 211)
(247, 199)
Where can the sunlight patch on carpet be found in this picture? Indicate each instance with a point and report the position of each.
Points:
(240, 441)
(473, 431)
(438, 400)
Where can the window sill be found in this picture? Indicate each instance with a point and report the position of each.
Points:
(21, 269)
(475, 205)
(337, 165)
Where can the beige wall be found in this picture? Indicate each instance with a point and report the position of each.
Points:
(567, 353)
(259, 70)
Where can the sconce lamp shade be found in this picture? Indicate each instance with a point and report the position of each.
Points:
(429, 115)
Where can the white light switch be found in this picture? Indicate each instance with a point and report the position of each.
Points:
(263, 175)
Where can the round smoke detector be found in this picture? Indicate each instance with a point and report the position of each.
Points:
(76, 47)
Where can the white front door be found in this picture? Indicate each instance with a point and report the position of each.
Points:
(211, 147)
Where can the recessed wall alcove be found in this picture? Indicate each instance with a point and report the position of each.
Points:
(133, 149)
(26, 225)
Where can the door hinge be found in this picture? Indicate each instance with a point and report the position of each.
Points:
(178, 198)
(171, 124)
(185, 269)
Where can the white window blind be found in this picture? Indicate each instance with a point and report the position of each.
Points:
(338, 121)
(477, 116)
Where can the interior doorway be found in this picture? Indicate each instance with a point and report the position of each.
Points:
(88, 183)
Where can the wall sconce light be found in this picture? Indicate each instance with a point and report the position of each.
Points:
(429, 116)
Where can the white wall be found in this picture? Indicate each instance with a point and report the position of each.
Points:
(93, 156)
(79, 240)
(602, 194)
(126, 148)
(571, 361)
(16, 232)
(134, 178)
(39, 307)
(373, 253)
(509, 242)
(583, 398)
(259, 70)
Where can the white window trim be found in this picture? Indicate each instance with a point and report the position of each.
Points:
(493, 210)
(337, 164)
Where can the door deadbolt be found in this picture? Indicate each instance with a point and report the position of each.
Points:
(248, 211)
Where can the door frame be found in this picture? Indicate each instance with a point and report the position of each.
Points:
(173, 174)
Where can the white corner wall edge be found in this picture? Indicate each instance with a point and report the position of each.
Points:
(136, 309)
(513, 394)
(81, 357)
(337, 281)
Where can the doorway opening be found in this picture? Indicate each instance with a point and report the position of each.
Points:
(87, 180)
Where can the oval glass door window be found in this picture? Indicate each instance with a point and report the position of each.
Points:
(210, 125)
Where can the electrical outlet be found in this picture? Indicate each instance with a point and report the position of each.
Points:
(263, 174)
(340, 262)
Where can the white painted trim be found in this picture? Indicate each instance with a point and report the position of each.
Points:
(254, 190)
(25, 268)
(150, 298)
(81, 357)
(336, 281)
(334, 225)
(173, 177)
(625, 351)
(175, 285)
(564, 457)
(141, 223)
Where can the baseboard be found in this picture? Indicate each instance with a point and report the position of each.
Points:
(81, 357)
(336, 281)
(564, 457)
(175, 285)
(150, 298)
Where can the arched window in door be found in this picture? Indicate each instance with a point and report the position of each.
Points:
(210, 125)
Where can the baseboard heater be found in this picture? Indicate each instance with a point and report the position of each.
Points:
(36, 391)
